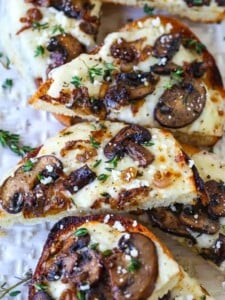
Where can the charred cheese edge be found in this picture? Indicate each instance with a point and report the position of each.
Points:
(21, 48)
(147, 31)
(168, 179)
(106, 231)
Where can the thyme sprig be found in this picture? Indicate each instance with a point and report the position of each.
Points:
(12, 141)
(5, 61)
(4, 290)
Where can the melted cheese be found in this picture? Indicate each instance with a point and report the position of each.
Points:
(165, 150)
(107, 237)
(21, 48)
(149, 31)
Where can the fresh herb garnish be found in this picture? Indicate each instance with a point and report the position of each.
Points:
(102, 177)
(76, 81)
(81, 232)
(148, 9)
(40, 286)
(196, 45)
(105, 195)
(93, 72)
(94, 143)
(7, 84)
(94, 246)
(197, 1)
(40, 177)
(58, 28)
(38, 26)
(202, 297)
(175, 78)
(223, 227)
(4, 61)
(14, 293)
(97, 163)
(28, 166)
(12, 140)
(81, 295)
(39, 51)
(134, 265)
(109, 68)
(107, 252)
(148, 144)
(4, 290)
(113, 161)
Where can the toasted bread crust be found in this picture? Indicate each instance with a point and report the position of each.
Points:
(204, 14)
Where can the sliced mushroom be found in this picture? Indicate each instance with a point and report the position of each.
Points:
(198, 220)
(72, 8)
(217, 252)
(216, 193)
(168, 221)
(116, 96)
(130, 86)
(166, 297)
(135, 133)
(181, 105)
(41, 295)
(80, 242)
(124, 50)
(88, 267)
(139, 153)
(137, 276)
(63, 48)
(167, 45)
(79, 178)
(197, 69)
(191, 3)
(100, 291)
(15, 187)
(165, 69)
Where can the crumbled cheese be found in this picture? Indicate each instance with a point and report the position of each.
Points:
(140, 24)
(126, 236)
(156, 22)
(49, 168)
(46, 180)
(84, 287)
(191, 163)
(75, 188)
(117, 225)
(128, 257)
(162, 61)
(134, 252)
(134, 223)
(106, 219)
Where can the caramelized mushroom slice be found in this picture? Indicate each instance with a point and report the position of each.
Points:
(217, 252)
(72, 8)
(139, 153)
(167, 45)
(181, 105)
(165, 69)
(116, 96)
(134, 276)
(63, 47)
(124, 50)
(79, 178)
(135, 133)
(198, 220)
(197, 69)
(41, 295)
(220, 2)
(47, 168)
(216, 193)
(169, 222)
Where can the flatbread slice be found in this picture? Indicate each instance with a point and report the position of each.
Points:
(200, 226)
(108, 257)
(38, 36)
(154, 72)
(207, 11)
(93, 167)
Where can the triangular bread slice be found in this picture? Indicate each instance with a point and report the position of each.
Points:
(202, 11)
(92, 167)
(200, 227)
(154, 72)
(108, 257)
(38, 36)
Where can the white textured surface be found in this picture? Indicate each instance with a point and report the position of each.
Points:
(21, 247)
